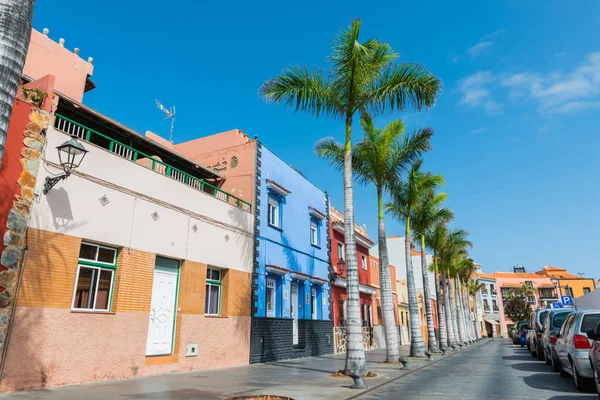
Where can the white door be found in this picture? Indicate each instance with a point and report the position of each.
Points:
(314, 303)
(162, 313)
(294, 303)
(270, 298)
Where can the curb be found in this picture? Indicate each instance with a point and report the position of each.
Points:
(371, 389)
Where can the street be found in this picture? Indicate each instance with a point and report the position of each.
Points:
(494, 370)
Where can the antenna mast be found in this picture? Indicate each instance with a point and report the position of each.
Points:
(170, 114)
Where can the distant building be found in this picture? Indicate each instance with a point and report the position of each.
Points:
(568, 284)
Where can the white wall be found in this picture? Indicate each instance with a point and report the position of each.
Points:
(397, 255)
(590, 300)
(72, 207)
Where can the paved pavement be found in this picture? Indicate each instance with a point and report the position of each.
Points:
(301, 379)
(494, 370)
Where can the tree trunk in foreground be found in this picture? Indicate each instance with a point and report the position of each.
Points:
(15, 32)
(355, 354)
(417, 347)
(440, 307)
(448, 311)
(387, 300)
(431, 342)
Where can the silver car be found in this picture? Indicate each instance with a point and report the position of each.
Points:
(573, 346)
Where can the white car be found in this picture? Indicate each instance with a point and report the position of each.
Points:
(573, 346)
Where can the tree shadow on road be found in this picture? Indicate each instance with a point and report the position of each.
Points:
(552, 381)
(523, 357)
(532, 367)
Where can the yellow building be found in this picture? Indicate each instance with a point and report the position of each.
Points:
(569, 284)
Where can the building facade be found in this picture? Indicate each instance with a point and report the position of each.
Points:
(378, 331)
(487, 303)
(568, 284)
(366, 289)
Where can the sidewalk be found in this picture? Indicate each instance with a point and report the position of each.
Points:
(306, 378)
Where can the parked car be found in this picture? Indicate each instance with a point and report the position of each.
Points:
(552, 324)
(516, 333)
(573, 346)
(595, 355)
(534, 336)
(523, 334)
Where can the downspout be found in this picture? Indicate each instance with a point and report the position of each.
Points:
(255, 244)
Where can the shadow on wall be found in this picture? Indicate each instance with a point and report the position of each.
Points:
(243, 243)
(60, 207)
(290, 255)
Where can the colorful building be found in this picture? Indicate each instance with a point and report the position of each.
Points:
(137, 263)
(378, 331)
(487, 304)
(291, 312)
(568, 284)
(366, 288)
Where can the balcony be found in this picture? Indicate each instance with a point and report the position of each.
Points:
(484, 291)
(547, 294)
(153, 163)
(494, 292)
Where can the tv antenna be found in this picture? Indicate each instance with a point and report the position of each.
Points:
(170, 114)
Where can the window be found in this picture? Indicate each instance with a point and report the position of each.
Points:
(590, 321)
(314, 303)
(529, 284)
(364, 262)
(274, 212)
(586, 290)
(314, 233)
(341, 310)
(95, 276)
(271, 298)
(568, 291)
(486, 305)
(379, 315)
(340, 248)
(495, 305)
(212, 301)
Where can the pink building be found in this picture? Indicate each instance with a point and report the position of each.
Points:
(545, 292)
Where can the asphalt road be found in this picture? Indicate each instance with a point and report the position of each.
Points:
(494, 370)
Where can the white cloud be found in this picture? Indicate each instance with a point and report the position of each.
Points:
(558, 92)
(479, 130)
(479, 48)
(475, 92)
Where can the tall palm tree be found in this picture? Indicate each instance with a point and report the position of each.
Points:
(428, 213)
(453, 250)
(473, 287)
(380, 159)
(406, 196)
(435, 239)
(15, 32)
(362, 78)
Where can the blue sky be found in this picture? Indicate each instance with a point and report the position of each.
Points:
(516, 124)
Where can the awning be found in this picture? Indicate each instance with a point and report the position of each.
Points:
(491, 321)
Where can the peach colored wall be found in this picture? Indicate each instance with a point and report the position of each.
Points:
(506, 278)
(53, 347)
(46, 56)
(216, 152)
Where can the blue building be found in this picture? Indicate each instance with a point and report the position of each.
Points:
(291, 313)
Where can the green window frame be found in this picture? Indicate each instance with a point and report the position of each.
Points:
(95, 278)
(214, 280)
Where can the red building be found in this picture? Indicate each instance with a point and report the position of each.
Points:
(338, 290)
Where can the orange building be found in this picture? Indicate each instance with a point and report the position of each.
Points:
(568, 284)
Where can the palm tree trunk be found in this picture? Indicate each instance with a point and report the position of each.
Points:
(355, 353)
(387, 301)
(441, 318)
(417, 348)
(465, 308)
(475, 306)
(448, 311)
(431, 342)
(462, 315)
(15, 32)
(457, 319)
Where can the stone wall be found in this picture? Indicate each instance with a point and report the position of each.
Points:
(272, 339)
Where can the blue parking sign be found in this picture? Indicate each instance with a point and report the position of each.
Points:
(557, 304)
(567, 300)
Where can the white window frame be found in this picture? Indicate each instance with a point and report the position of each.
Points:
(220, 286)
(314, 233)
(363, 258)
(340, 250)
(275, 205)
(96, 277)
(273, 313)
(314, 303)
(99, 246)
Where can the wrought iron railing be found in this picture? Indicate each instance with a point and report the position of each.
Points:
(82, 132)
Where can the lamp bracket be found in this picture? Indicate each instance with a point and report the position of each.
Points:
(49, 183)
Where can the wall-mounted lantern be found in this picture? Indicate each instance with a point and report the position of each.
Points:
(70, 155)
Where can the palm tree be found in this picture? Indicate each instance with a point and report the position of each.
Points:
(435, 239)
(524, 291)
(362, 78)
(473, 287)
(406, 196)
(379, 159)
(15, 32)
(452, 251)
(428, 213)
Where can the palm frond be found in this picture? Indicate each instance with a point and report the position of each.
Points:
(331, 151)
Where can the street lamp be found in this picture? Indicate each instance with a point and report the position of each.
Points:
(70, 155)
(341, 264)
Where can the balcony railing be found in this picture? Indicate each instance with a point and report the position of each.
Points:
(82, 132)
